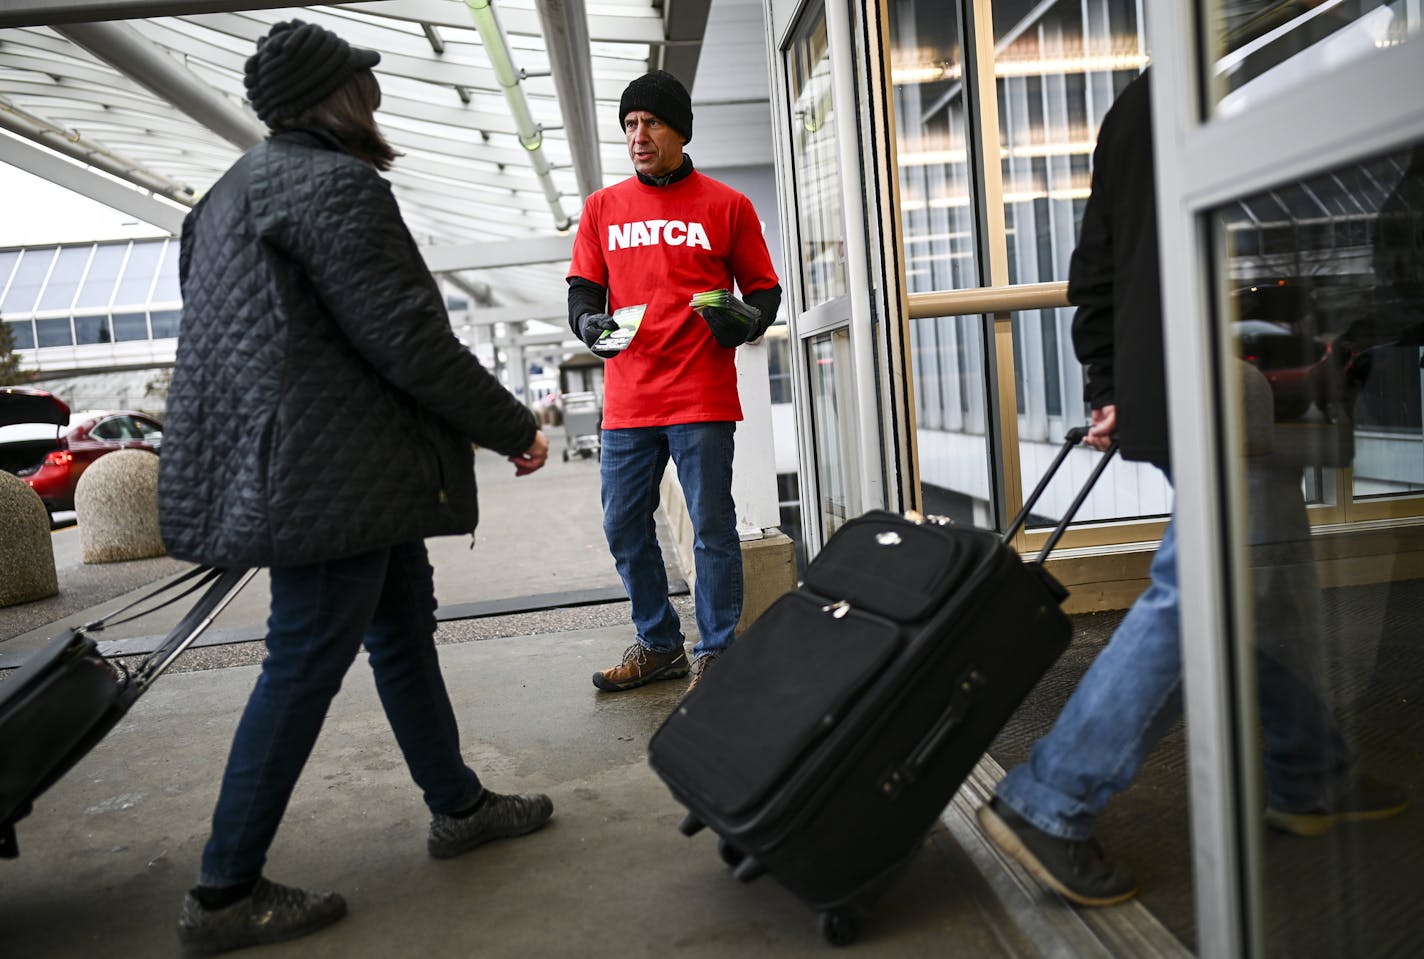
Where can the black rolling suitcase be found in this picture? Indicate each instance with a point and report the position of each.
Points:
(824, 745)
(65, 698)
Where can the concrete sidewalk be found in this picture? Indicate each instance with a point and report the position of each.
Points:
(108, 852)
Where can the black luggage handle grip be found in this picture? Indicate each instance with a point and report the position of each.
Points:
(960, 701)
(1074, 436)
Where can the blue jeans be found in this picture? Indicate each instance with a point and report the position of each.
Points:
(320, 616)
(633, 464)
(1130, 698)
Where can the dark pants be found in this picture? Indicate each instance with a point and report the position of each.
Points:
(321, 615)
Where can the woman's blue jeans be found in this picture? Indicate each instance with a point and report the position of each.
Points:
(320, 617)
(1129, 699)
(633, 464)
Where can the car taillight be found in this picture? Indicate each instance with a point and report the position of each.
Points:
(58, 458)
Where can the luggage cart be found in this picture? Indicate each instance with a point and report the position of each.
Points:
(583, 423)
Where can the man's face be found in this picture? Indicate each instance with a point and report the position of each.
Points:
(655, 147)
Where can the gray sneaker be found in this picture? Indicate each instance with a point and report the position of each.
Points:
(500, 818)
(273, 913)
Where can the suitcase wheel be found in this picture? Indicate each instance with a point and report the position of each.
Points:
(730, 854)
(839, 927)
(690, 825)
(748, 869)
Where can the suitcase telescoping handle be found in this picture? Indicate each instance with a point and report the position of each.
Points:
(1072, 439)
(222, 585)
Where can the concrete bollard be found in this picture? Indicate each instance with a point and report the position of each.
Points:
(116, 503)
(27, 568)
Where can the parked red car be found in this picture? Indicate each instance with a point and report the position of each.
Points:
(49, 447)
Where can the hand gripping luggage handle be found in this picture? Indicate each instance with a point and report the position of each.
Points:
(1072, 439)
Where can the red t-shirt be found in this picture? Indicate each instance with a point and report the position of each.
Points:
(659, 246)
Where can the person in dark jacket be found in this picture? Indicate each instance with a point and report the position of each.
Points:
(315, 353)
(1043, 811)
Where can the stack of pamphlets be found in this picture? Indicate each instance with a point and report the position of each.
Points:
(725, 301)
(629, 319)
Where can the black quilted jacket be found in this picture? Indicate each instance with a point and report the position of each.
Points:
(321, 406)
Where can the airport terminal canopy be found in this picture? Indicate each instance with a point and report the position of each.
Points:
(505, 111)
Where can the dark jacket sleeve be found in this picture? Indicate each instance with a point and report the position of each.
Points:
(768, 301)
(585, 296)
(382, 296)
(1090, 280)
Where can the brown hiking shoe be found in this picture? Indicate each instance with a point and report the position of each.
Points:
(642, 666)
(699, 667)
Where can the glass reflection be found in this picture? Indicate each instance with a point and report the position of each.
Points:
(1059, 67)
(836, 480)
(1259, 48)
(932, 134)
(952, 418)
(1324, 286)
(813, 162)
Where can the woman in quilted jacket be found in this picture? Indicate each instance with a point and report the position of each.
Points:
(312, 334)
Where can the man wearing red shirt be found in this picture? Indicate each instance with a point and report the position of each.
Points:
(655, 240)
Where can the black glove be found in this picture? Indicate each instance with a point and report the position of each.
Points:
(728, 329)
(593, 325)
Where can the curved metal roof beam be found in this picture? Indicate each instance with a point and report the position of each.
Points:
(72, 144)
(530, 135)
(566, 41)
(645, 27)
(122, 47)
(83, 180)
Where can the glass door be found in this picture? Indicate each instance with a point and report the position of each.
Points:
(1291, 176)
(837, 303)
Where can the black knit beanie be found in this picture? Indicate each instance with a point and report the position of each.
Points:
(662, 95)
(298, 65)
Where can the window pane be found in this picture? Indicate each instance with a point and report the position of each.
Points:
(138, 275)
(7, 266)
(130, 326)
(1329, 327)
(932, 136)
(54, 332)
(103, 272)
(1257, 49)
(166, 289)
(164, 323)
(23, 332)
(956, 473)
(778, 365)
(29, 276)
(836, 479)
(64, 278)
(815, 165)
(1050, 385)
(1059, 69)
(92, 329)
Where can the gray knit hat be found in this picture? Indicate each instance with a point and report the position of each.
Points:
(662, 95)
(298, 65)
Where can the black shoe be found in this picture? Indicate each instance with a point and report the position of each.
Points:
(273, 913)
(1075, 869)
(499, 818)
(1366, 798)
